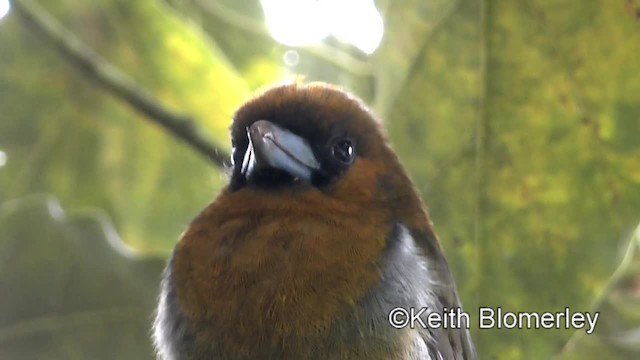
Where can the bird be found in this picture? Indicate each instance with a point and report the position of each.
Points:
(317, 237)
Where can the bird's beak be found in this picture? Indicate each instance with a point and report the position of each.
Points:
(272, 146)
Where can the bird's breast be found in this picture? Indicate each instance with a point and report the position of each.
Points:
(288, 269)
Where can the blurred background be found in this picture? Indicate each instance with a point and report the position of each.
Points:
(518, 120)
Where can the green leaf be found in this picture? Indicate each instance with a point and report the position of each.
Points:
(518, 124)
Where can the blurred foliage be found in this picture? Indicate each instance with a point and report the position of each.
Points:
(64, 137)
(77, 292)
(618, 335)
(519, 121)
(521, 144)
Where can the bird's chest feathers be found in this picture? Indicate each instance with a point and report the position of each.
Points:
(279, 270)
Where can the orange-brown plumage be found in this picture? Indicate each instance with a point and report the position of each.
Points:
(278, 267)
(289, 262)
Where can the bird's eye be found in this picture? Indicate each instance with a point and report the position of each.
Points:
(343, 151)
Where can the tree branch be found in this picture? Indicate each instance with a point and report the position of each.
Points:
(116, 82)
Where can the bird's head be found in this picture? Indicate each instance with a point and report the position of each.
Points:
(315, 138)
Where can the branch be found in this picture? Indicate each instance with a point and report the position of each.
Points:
(116, 82)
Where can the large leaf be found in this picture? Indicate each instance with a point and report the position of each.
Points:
(517, 124)
(71, 289)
